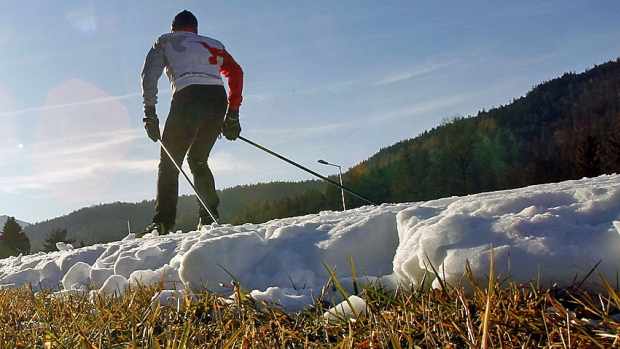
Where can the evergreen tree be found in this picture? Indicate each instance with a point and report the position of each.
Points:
(587, 158)
(612, 152)
(14, 238)
(56, 235)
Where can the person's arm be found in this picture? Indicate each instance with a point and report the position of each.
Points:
(234, 74)
(151, 72)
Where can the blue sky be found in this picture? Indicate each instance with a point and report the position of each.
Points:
(332, 80)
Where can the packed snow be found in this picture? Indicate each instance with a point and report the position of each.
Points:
(546, 234)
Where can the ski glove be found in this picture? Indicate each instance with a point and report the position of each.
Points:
(231, 127)
(151, 123)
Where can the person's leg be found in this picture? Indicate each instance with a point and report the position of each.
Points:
(203, 177)
(209, 121)
(176, 138)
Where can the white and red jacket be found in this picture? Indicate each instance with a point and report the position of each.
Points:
(190, 59)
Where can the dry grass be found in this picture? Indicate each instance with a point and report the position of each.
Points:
(512, 316)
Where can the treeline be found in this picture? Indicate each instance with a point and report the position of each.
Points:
(113, 221)
(566, 128)
(311, 201)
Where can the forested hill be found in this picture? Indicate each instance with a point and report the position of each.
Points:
(562, 129)
(111, 222)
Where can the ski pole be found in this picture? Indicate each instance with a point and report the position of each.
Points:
(189, 182)
(307, 170)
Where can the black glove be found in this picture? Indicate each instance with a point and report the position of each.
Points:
(151, 123)
(231, 127)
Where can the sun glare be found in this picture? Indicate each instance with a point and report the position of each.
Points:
(80, 136)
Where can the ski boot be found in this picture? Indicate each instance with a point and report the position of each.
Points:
(154, 226)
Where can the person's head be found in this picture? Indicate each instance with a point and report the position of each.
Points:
(185, 20)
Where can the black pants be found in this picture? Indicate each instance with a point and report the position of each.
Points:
(192, 127)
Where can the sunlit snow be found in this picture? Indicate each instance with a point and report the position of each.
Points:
(546, 234)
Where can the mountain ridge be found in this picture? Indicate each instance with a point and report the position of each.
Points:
(4, 218)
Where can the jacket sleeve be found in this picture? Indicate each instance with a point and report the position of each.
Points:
(151, 72)
(233, 72)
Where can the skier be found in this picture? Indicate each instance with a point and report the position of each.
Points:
(200, 110)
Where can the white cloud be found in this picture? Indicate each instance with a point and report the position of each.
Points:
(411, 73)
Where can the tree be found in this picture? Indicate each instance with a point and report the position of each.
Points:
(14, 238)
(612, 152)
(56, 235)
(587, 158)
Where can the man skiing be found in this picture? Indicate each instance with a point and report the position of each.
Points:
(199, 111)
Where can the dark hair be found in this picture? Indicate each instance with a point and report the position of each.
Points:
(185, 19)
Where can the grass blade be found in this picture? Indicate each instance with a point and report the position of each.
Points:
(340, 289)
(487, 310)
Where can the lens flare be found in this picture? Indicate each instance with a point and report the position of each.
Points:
(7, 125)
(83, 20)
(83, 135)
